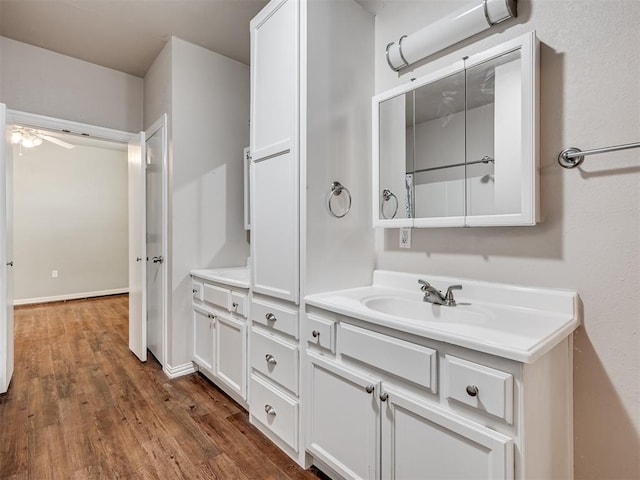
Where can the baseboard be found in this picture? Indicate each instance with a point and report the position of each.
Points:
(71, 296)
(179, 370)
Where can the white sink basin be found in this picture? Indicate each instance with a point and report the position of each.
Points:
(424, 311)
(519, 323)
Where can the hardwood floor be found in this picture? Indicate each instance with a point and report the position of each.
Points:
(81, 406)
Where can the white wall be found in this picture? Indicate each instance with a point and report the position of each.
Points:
(40, 81)
(338, 86)
(70, 215)
(207, 98)
(590, 237)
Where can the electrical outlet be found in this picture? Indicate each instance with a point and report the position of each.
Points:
(405, 237)
(54, 273)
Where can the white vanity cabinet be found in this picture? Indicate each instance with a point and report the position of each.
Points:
(220, 335)
(304, 124)
(274, 360)
(392, 405)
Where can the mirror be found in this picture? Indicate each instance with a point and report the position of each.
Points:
(458, 147)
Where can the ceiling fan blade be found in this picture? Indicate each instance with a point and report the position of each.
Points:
(57, 141)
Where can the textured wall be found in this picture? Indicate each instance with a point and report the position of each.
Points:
(207, 98)
(39, 81)
(70, 215)
(589, 239)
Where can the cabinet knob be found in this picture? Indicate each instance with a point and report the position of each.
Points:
(195, 290)
(271, 317)
(138, 259)
(315, 334)
(472, 390)
(270, 359)
(369, 388)
(270, 410)
(384, 396)
(10, 264)
(235, 305)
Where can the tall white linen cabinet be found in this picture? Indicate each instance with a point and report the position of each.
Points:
(311, 87)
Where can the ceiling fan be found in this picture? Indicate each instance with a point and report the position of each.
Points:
(30, 137)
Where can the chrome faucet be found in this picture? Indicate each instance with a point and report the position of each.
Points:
(433, 295)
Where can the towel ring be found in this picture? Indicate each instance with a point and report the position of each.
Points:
(336, 190)
(386, 196)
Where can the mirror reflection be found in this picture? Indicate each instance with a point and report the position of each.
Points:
(452, 148)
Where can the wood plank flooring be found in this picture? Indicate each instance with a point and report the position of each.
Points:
(81, 406)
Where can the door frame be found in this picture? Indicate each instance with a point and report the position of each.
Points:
(103, 133)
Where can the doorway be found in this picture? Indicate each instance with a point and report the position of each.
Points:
(156, 214)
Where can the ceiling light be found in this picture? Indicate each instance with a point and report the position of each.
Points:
(16, 137)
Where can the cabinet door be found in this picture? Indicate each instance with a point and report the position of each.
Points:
(231, 353)
(274, 53)
(274, 242)
(203, 333)
(343, 419)
(427, 442)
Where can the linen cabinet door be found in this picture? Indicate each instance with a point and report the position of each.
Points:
(343, 421)
(203, 333)
(274, 66)
(423, 441)
(274, 241)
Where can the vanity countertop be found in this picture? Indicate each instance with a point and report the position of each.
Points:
(234, 276)
(519, 323)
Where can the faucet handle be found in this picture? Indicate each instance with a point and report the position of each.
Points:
(449, 300)
(425, 285)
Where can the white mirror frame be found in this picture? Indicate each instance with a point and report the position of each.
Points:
(529, 188)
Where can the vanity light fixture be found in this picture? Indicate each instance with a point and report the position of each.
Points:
(448, 31)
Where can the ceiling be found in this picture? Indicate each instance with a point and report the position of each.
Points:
(127, 35)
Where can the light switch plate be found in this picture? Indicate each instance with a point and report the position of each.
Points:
(405, 237)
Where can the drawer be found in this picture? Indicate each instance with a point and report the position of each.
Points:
(480, 387)
(407, 360)
(320, 332)
(274, 410)
(275, 316)
(217, 296)
(197, 290)
(240, 303)
(275, 359)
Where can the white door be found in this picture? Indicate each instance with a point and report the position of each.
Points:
(155, 151)
(421, 440)
(6, 254)
(274, 227)
(204, 324)
(274, 68)
(137, 250)
(230, 353)
(343, 419)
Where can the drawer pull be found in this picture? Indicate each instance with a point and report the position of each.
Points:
(315, 334)
(271, 317)
(270, 359)
(369, 388)
(384, 396)
(270, 410)
(472, 390)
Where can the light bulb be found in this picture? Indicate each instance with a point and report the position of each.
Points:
(16, 137)
(27, 142)
(37, 141)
